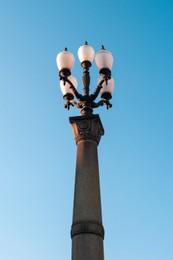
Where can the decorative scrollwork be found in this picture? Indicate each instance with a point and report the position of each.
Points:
(86, 102)
(87, 128)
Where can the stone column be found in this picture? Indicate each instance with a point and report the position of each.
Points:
(87, 231)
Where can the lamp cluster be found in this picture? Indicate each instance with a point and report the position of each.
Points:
(68, 83)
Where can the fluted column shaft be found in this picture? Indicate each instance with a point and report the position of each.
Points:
(87, 231)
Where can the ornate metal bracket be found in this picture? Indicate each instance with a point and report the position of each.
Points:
(86, 101)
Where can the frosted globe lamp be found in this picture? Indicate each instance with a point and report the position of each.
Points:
(86, 53)
(104, 59)
(107, 88)
(65, 60)
(65, 87)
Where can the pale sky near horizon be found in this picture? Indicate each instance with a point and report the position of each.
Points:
(37, 148)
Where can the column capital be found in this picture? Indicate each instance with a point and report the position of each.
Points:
(87, 128)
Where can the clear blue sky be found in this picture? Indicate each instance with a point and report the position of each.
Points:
(37, 150)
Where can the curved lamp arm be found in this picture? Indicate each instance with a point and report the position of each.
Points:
(75, 104)
(97, 90)
(75, 92)
(107, 103)
(98, 104)
(71, 103)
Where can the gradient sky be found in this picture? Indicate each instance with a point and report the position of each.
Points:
(37, 148)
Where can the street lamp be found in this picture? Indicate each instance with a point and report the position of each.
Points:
(68, 84)
(87, 231)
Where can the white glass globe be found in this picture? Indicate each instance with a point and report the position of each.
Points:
(104, 59)
(66, 88)
(107, 88)
(86, 53)
(65, 60)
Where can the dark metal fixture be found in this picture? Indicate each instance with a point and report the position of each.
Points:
(86, 102)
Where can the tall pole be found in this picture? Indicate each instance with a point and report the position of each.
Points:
(87, 231)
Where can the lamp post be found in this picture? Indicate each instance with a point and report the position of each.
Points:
(87, 231)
